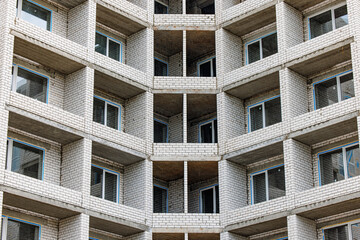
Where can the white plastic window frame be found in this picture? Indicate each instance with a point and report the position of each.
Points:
(167, 6)
(117, 174)
(338, 85)
(107, 102)
(108, 39)
(19, 10)
(4, 224)
(266, 182)
(212, 121)
(247, 44)
(343, 149)
(203, 62)
(262, 103)
(333, 8)
(348, 224)
(213, 187)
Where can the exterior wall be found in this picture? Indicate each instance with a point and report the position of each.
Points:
(76, 227)
(135, 179)
(134, 115)
(176, 196)
(175, 7)
(176, 64)
(176, 128)
(136, 47)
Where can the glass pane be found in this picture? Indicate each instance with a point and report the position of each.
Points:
(205, 69)
(269, 45)
(99, 111)
(36, 15)
(160, 200)
(31, 85)
(214, 66)
(326, 93)
(210, 9)
(206, 133)
(259, 188)
(253, 52)
(207, 201)
(331, 167)
(276, 182)
(353, 161)
(96, 181)
(20, 231)
(160, 132)
(336, 233)
(256, 117)
(110, 186)
(27, 160)
(100, 44)
(355, 229)
(341, 17)
(114, 50)
(216, 131)
(217, 199)
(321, 24)
(160, 8)
(347, 86)
(160, 68)
(272, 111)
(112, 116)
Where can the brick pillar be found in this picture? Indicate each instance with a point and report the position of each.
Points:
(186, 202)
(1, 208)
(301, 228)
(184, 52)
(231, 236)
(75, 227)
(185, 118)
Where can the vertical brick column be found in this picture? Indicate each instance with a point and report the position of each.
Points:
(186, 236)
(75, 227)
(231, 236)
(185, 118)
(1, 207)
(148, 190)
(186, 202)
(184, 51)
(301, 228)
(149, 121)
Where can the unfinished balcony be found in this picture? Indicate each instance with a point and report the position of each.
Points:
(168, 7)
(200, 7)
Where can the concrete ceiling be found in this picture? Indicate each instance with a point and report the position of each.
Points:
(261, 227)
(168, 43)
(115, 86)
(303, 4)
(168, 104)
(252, 86)
(200, 105)
(46, 57)
(168, 171)
(204, 236)
(199, 43)
(252, 21)
(201, 171)
(69, 3)
(321, 62)
(112, 227)
(168, 236)
(117, 21)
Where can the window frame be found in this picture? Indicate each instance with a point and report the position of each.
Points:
(105, 112)
(10, 152)
(167, 66)
(333, 8)
(15, 75)
(212, 132)
(347, 223)
(19, 10)
(5, 219)
(167, 196)
(117, 174)
(203, 62)
(338, 85)
(214, 198)
(167, 129)
(167, 7)
(260, 45)
(263, 112)
(108, 38)
(266, 182)
(343, 149)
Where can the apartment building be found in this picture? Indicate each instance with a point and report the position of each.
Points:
(180, 120)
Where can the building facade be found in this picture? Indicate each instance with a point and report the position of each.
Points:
(180, 120)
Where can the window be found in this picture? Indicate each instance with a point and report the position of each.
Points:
(30, 84)
(349, 231)
(160, 8)
(264, 114)
(107, 113)
(207, 68)
(209, 199)
(105, 183)
(333, 90)
(25, 159)
(160, 132)
(16, 229)
(208, 8)
(108, 46)
(161, 67)
(160, 199)
(208, 132)
(327, 21)
(34, 13)
(261, 48)
(339, 163)
(267, 184)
